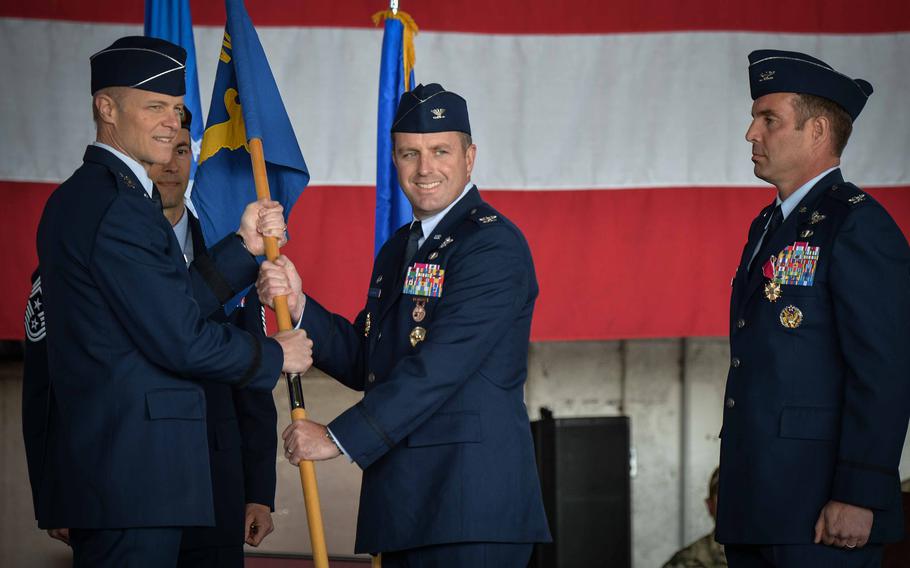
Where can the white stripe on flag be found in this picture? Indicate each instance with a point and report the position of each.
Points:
(548, 112)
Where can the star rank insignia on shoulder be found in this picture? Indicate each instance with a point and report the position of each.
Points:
(126, 180)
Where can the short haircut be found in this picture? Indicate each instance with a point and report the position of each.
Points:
(466, 140)
(115, 93)
(810, 106)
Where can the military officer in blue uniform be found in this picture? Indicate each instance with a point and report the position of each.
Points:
(818, 392)
(241, 422)
(126, 455)
(440, 351)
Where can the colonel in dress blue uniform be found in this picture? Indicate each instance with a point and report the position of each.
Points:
(126, 457)
(440, 351)
(818, 392)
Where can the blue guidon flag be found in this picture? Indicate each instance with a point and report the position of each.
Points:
(171, 20)
(245, 104)
(396, 75)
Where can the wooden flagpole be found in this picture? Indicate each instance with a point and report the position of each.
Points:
(295, 390)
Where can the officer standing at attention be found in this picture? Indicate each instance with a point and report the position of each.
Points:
(440, 351)
(126, 453)
(818, 392)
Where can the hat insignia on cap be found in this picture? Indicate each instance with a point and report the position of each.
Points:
(438, 113)
(766, 76)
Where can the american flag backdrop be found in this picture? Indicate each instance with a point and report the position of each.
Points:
(610, 131)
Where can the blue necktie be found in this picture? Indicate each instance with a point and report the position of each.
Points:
(414, 236)
(777, 219)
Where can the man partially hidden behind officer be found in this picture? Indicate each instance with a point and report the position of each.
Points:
(241, 422)
(440, 351)
(705, 552)
(124, 455)
(818, 392)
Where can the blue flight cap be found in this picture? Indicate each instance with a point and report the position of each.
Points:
(774, 71)
(431, 108)
(140, 62)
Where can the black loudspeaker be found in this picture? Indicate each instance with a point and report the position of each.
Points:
(584, 473)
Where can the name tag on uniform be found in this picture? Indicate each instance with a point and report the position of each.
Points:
(795, 265)
(375, 292)
(424, 280)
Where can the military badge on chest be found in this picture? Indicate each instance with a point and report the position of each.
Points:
(795, 265)
(423, 281)
(791, 317)
(420, 310)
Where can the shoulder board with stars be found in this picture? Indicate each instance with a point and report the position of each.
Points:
(126, 181)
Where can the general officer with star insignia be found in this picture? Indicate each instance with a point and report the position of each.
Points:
(440, 351)
(818, 392)
(240, 422)
(125, 460)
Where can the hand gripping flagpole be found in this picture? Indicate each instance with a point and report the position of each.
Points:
(295, 390)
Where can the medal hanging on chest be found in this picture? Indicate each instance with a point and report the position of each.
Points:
(772, 291)
(419, 312)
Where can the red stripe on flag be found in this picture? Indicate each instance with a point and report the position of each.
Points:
(610, 264)
(520, 16)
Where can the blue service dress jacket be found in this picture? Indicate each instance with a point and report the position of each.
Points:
(240, 422)
(126, 442)
(243, 441)
(442, 431)
(818, 392)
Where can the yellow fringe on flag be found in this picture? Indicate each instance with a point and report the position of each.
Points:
(407, 40)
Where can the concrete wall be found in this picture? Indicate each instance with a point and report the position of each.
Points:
(671, 388)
